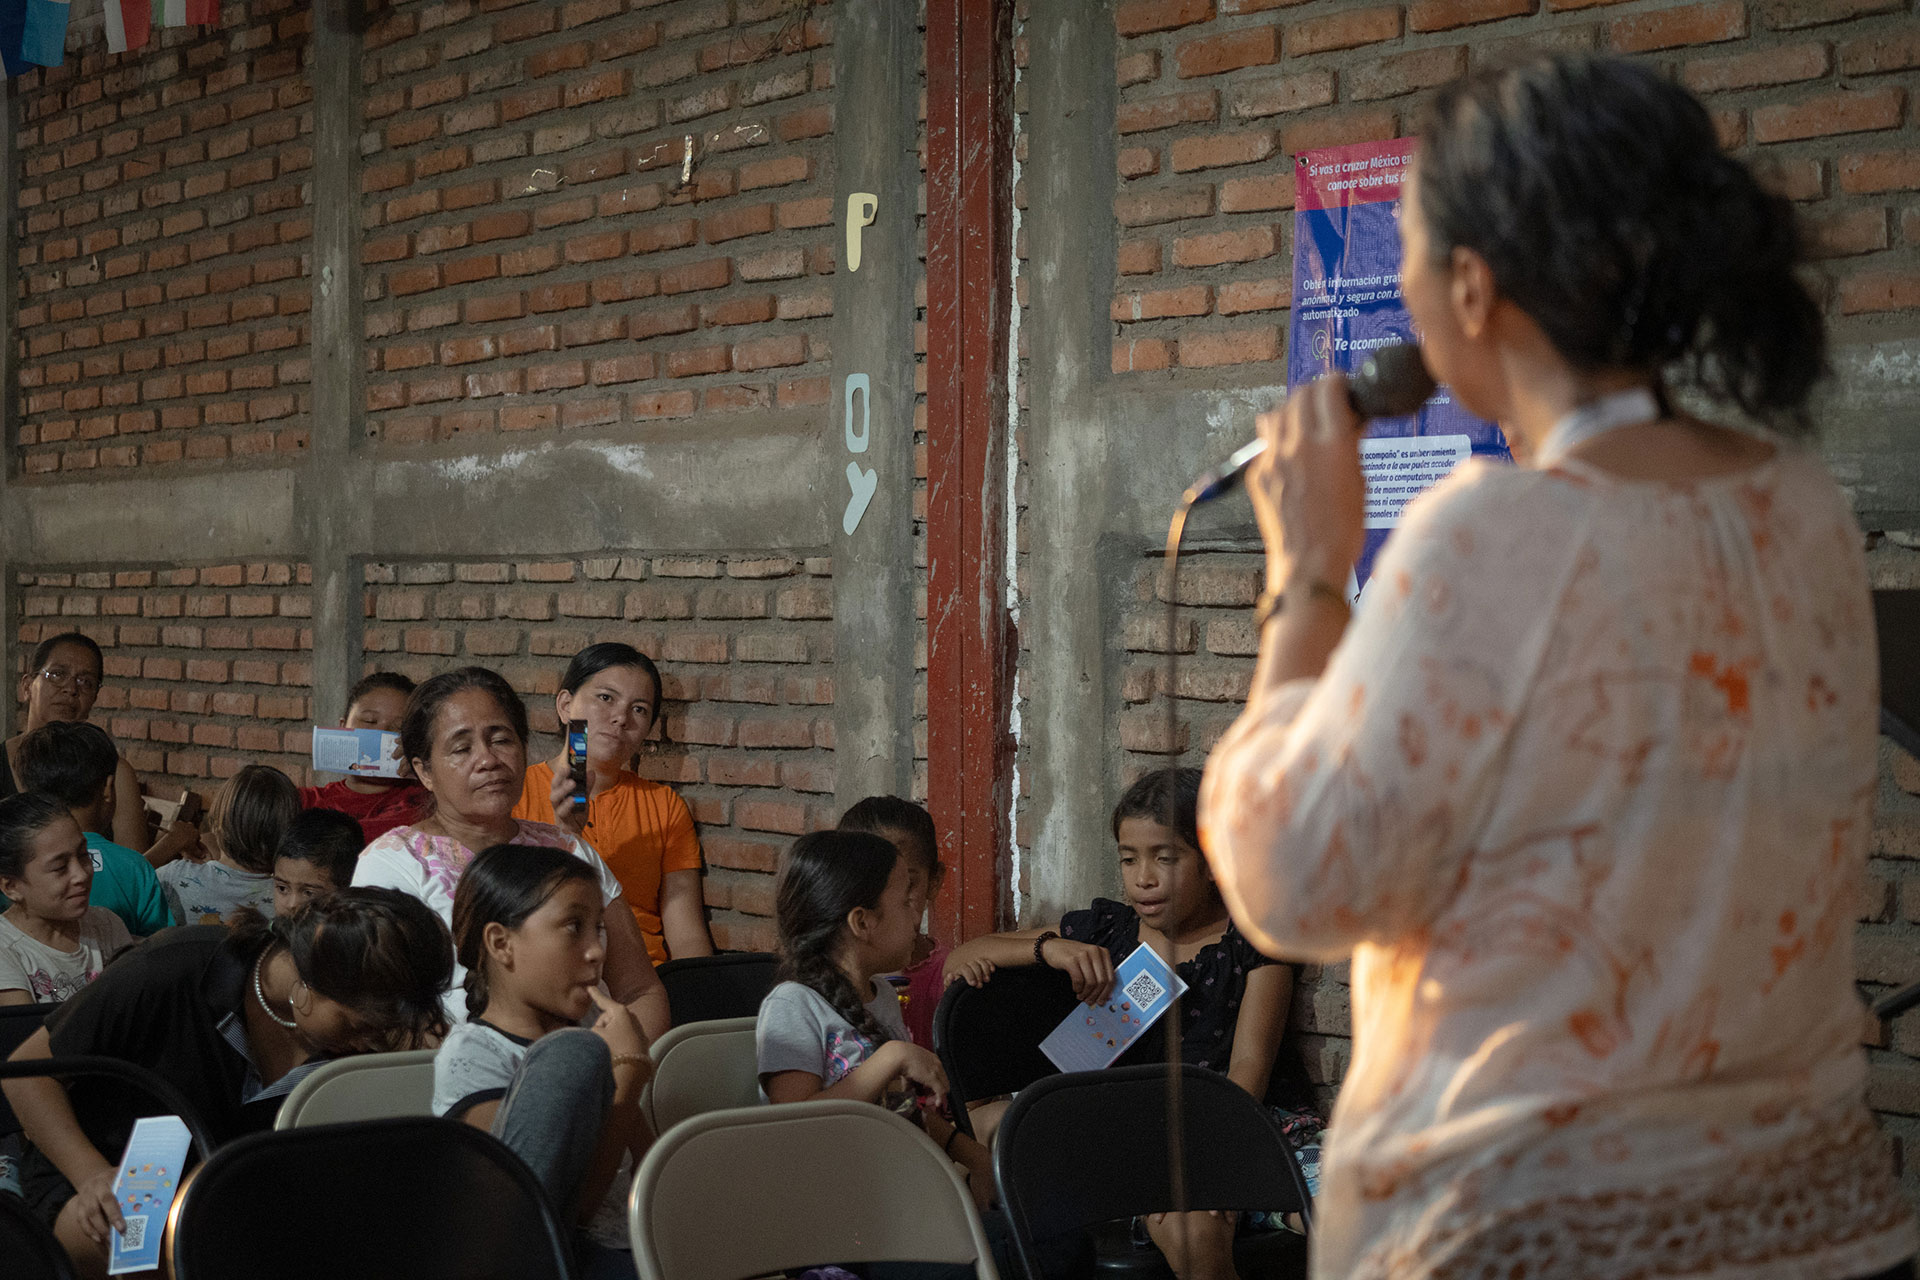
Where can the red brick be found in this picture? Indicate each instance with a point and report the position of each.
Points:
(1163, 206)
(1241, 296)
(1247, 346)
(1832, 113)
(693, 361)
(1854, 231)
(1141, 17)
(735, 223)
(1286, 93)
(768, 353)
(1226, 246)
(1671, 28)
(1347, 30)
(1213, 55)
(1139, 257)
(1866, 173)
(1790, 15)
(1142, 354)
(1752, 70)
(1887, 51)
(1369, 125)
(1443, 15)
(1218, 150)
(1193, 300)
(1404, 73)
(1875, 291)
(1148, 114)
(715, 273)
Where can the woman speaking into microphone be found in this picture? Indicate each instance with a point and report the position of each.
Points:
(1585, 786)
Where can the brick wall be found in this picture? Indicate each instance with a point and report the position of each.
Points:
(544, 251)
(162, 230)
(206, 667)
(1217, 95)
(745, 647)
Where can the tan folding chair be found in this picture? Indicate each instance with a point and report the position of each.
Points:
(372, 1086)
(700, 1067)
(815, 1182)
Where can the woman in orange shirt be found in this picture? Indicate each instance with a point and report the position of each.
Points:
(641, 828)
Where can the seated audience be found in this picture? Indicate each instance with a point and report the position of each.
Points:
(74, 763)
(62, 680)
(316, 856)
(465, 737)
(52, 943)
(832, 1028)
(526, 927)
(233, 1018)
(379, 805)
(641, 828)
(249, 815)
(909, 828)
(1236, 1003)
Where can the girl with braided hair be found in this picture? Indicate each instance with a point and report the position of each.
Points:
(832, 1027)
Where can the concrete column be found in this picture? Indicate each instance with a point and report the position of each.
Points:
(327, 501)
(1071, 614)
(876, 54)
(9, 400)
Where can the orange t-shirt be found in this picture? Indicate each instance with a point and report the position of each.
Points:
(642, 829)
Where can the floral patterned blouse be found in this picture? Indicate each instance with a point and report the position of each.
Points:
(1585, 792)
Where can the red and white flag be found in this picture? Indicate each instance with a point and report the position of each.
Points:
(129, 24)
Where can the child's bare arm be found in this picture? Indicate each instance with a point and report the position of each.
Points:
(1090, 967)
(867, 1082)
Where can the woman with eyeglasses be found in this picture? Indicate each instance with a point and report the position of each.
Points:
(61, 683)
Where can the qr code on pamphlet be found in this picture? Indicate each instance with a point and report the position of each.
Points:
(135, 1236)
(1144, 991)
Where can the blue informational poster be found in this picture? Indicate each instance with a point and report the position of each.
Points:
(1346, 302)
(1093, 1035)
(148, 1180)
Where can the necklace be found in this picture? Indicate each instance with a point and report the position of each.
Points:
(1627, 408)
(290, 1024)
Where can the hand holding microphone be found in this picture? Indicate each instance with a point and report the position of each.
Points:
(1303, 472)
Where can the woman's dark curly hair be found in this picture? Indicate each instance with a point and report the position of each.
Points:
(1597, 192)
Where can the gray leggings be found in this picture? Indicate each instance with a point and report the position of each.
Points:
(555, 1110)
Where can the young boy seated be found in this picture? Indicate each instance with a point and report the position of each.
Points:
(379, 805)
(316, 856)
(74, 763)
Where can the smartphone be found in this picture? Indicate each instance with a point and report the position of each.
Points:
(577, 762)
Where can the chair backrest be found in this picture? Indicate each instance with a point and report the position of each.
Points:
(372, 1086)
(18, 1022)
(701, 1067)
(814, 1182)
(28, 1244)
(1091, 1146)
(703, 988)
(420, 1197)
(159, 1092)
(989, 1037)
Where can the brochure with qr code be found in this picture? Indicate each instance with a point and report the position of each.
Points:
(145, 1186)
(1094, 1035)
(370, 753)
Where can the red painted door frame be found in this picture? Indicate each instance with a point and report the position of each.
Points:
(970, 642)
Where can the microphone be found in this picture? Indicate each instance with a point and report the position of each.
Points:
(1390, 383)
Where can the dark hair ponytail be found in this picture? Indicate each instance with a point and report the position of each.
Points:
(825, 876)
(504, 884)
(1597, 192)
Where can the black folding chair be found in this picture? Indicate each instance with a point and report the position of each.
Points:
(415, 1198)
(1077, 1150)
(705, 988)
(169, 1099)
(18, 1022)
(988, 1038)
(28, 1245)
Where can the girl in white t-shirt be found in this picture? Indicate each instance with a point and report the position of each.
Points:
(51, 942)
(528, 933)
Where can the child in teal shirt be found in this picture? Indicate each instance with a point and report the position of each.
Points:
(73, 763)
